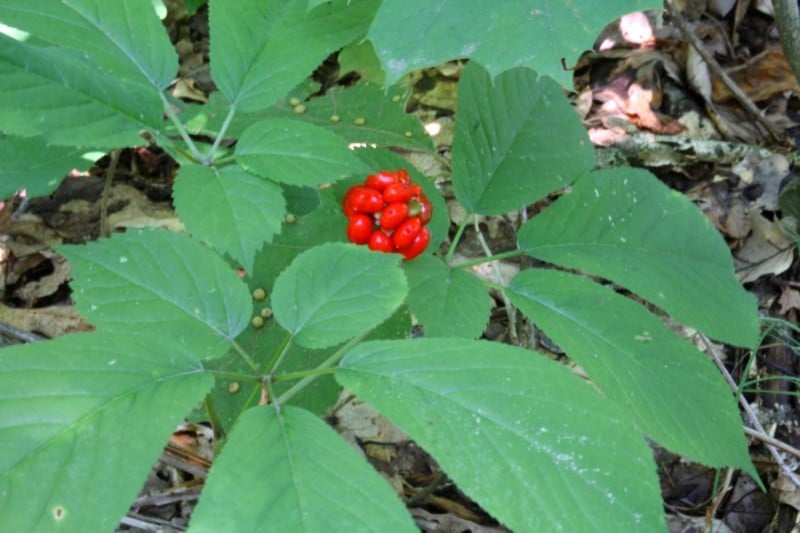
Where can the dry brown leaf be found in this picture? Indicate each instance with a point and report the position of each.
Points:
(786, 491)
(766, 75)
(768, 250)
(789, 299)
(51, 321)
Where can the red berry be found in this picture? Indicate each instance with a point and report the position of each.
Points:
(403, 177)
(359, 229)
(381, 242)
(393, 214)
(360, 199)
(421, 208)
(400, 192)
(381, 180)
(404, 235)
(418, 245)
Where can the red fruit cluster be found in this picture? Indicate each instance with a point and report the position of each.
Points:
(388, 213)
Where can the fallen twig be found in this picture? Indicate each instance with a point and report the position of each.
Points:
(758, 429)
(742, 98)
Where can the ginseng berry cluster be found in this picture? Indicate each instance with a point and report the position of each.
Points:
(388, 213)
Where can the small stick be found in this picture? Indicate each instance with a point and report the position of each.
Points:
(758, 428)
(110, 172)
(742, 98)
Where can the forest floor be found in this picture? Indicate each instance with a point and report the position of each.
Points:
(647, 100)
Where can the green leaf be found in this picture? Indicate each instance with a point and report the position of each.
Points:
(336, 291)
(537, 447)
(517, 139)
(386, 123)
(262, 49)
(88, 413)
(32, 165)
(289, 471)
(448, 302)
(359, 57)
(124, 39)
(625, 225)
(55, 93)
(500, 35)
(639, 363)
(163, 283)
(301, 201)
(235, 212)
(296, 153)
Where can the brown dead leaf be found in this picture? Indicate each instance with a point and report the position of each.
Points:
(51, 321)
(761, 78)
(768, 250)
(141, 212)
(789, 299)
(786, 491)
(43, 286)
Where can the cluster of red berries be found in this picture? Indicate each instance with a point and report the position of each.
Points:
(388, 213)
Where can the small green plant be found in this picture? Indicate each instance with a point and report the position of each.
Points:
(83, 417)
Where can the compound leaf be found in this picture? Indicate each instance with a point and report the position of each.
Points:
(336, 291)
(124, 38)
(517, 139)
(235, 212)
(163, 283)
(531, 434)
(638, 363)
(448, 302)
(626, 226)
(31, 165)
(295, 153)
(56, 93)
(89, 413)
(289, 471)
(499, 35)
(343, 109)
(262, 49)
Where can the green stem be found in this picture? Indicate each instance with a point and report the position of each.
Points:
(181, 130)
(182, 152)
(233, 376)
(213, 417)
(279, 355)
(327, 363)
(493, 285)
(457, 238)
(246, 357)
(495, 257)
(214, 147)
(224, 161)
(291, 376)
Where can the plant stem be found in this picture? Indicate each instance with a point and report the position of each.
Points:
(225, 123)
(110, 172)
(181, 130)
(279, 355)
(787, 19)
(327, 363)
(213, 417)
(289, 376)
(495, 257)
(457, 238)
(234, 376)
(223, 161)
(246, 357)
(511, 311)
